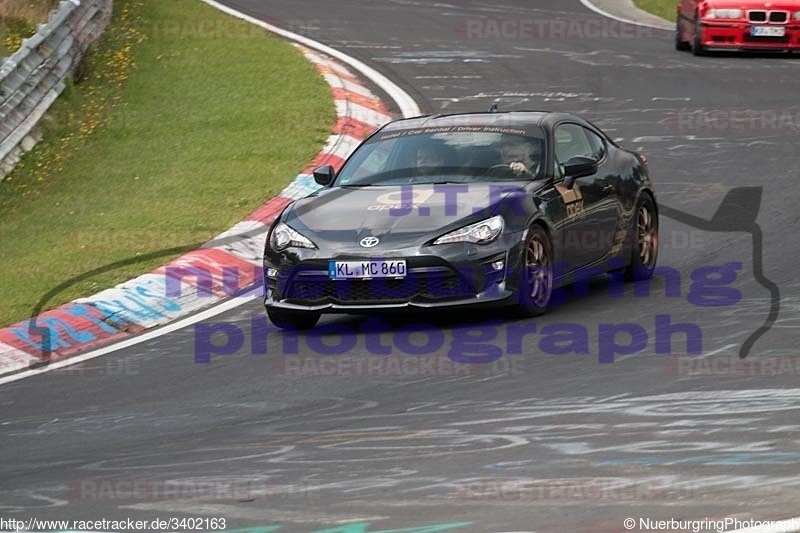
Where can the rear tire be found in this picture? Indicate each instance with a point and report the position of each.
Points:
(296, 320)
(536, 276)
(645, 239)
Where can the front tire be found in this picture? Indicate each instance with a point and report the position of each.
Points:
(295, 320)
(680, 44)
(645, 239)
(536, 279)
(697, 44)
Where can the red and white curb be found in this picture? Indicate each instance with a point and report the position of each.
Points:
(227, 265)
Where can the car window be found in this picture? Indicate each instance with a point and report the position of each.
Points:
(448, 153)
(596, 144)
(376, 158)
(573, 140)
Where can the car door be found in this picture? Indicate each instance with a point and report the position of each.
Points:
(592, 201)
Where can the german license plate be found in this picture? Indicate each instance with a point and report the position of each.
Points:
(767, 31)
(367, 269)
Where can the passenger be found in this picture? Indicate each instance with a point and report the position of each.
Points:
(430, 159)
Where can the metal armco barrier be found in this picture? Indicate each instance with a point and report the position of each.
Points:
(32, 78)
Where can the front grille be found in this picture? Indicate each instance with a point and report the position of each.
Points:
(778, 17)
(422, 284)
(774, 17)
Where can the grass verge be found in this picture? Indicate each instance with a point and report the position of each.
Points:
(18, 20)
(11, 34)
(177, 129)
(665, 9)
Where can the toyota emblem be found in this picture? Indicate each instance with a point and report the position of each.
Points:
(369, 242)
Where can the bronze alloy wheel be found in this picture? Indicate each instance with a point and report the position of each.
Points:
(645, 241)
(536, 284)
(648, 236)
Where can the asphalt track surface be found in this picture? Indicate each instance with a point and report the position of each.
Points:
(403, 452)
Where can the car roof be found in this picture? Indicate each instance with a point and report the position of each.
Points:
(484, 118)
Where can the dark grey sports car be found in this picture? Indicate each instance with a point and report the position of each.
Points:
(493, 208)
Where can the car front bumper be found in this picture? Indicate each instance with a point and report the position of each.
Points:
(498, 296)
(432, 282)
(735, 35)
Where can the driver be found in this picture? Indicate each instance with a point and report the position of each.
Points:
(523, 155)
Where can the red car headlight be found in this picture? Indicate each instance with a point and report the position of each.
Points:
(727, 14)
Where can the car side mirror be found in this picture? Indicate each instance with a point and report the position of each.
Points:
(324, 175)
(578, 167)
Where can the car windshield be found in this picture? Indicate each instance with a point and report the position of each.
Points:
(459, 154)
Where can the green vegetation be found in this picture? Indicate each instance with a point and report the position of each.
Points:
(663, 8)
(12, 31)
(177, 128)
(18, 20)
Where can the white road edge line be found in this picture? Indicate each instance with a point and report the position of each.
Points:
(589, 5)
(405, 103)
(408, 107)
(127, 343)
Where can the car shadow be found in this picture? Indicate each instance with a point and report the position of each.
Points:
(748, 54)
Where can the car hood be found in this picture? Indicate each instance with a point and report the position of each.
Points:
(786, 5)
(399, 216)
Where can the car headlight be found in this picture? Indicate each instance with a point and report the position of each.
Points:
(796, 15)
(724, 14)
(482, 232)
(283, 237)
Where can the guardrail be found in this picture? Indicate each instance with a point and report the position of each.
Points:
(32, 78)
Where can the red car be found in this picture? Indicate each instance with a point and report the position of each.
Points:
(738, 25)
